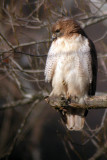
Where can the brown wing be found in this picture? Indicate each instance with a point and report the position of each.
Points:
(92, 86)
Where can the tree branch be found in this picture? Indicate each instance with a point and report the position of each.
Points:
(22, 44)
(92, 20)
(94, 102)
(21, 102)
(8, 43)
(20, 130)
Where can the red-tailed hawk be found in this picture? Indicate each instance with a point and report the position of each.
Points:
(71, 66)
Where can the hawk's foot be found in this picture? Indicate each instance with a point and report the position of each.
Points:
(74, 99)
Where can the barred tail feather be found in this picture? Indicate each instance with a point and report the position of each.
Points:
(75, 122)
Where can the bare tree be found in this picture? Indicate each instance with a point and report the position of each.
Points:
(25, 37)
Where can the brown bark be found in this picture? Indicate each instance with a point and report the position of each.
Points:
(94, 102)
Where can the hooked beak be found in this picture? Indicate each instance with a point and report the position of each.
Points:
(54, 36)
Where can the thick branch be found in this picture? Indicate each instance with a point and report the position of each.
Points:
(94, 102)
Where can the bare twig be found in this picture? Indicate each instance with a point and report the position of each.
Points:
(20, 130)
(100, 151)
(102, 37)
(24, 45)
(93, 20)
(8, 43)
(21, 102)
(32, 55)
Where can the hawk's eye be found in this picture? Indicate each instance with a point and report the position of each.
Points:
(57, 30)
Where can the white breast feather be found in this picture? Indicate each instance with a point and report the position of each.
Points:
(69, 60)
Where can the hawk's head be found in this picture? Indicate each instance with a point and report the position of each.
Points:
(65, 27)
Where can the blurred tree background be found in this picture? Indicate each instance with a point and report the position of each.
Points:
(29, 128)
